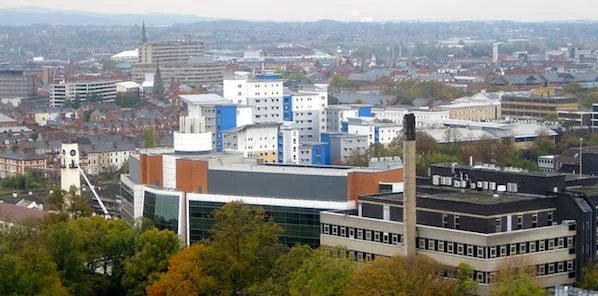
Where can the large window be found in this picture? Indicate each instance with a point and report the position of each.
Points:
(162, 209)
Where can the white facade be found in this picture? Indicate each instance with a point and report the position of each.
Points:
(387, 133)
(192, 135)
(357, 126)
(309, 114)
(104, 91)
(422, 117)
(253, 140)
(265, 96)
(336, 114)
(289, 139)
(69, 167)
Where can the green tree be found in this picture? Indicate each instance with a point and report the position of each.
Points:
(465, 283)
(424, 162)
(70, 203)
(149, 138)
(573, 89)
(87, 114)
(590, 277)
(243, 247)
(154, 247)
(516, 279)
(399, 275)
(277, 283)
(326, 273)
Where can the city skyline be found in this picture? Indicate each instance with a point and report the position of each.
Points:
(351, 10)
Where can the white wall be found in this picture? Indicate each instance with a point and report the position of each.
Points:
(169, 171)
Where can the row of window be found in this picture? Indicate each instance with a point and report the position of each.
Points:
(482, 252)
(492, 252)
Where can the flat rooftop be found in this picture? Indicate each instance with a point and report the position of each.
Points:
(514, 171)
(458, 195)
(234, 161)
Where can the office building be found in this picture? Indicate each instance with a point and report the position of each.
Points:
(480, 216)
(17, 84)
(535, 107)
(254, 141)
(196, 72)
(337, 114)
(263, 92)
(423, 117)
(169, 52)
(306, 109)
(344, 145)
(288, 144)
(99, 90)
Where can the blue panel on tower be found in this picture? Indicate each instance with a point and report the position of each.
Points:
(377, 135)
(272, 76)
(287, 108)
(364, 112)
(280, 148)
(345, 127)
(226, 118)
(318, 154)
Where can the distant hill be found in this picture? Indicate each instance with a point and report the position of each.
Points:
(33, 15)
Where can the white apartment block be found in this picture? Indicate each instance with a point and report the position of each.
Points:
(104, 91)
(265, 95)
(336, 114)
(169, 52)
(288, 144)
(307, 110)
(255, 141)
(422, 117)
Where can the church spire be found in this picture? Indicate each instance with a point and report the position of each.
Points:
(158, 91)
(143, 35)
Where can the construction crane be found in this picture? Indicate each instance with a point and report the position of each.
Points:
(95, 194)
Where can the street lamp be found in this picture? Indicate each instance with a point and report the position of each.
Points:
(580, 157)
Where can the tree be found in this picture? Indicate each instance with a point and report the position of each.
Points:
(358, 101)
(187, 275)
(70, 203)
(326, 273)
(149, 138)
(590, 277)
(424, 162)
(399, 275)
(516, 278)
(154, 247)
(573, 89)
(243, 247)
(358, 158)
(277, 283)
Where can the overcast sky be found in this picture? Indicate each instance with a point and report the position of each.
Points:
(354, 10)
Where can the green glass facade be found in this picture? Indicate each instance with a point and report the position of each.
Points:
(162, 209)
(301, 225)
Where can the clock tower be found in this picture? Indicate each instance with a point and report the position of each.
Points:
(69, 167)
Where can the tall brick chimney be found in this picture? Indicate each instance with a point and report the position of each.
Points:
(409, 194)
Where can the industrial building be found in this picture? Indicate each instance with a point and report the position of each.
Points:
(478, 215)
(17, 84)
(178, 188)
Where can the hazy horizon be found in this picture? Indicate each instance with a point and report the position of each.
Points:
(349, 10)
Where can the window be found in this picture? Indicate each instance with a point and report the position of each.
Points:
(368, 235)
(343, 231)
(334, 230)
(522, 248)
(492, 252)
(560, 266)
(551, 268)
(351, 232)
(359, 233)
(385, 238)
(368, 257)
(422, 243)
(480, 252)
(541, 246)
(532, 247)
(431, 246)
(469, 250)
(549, 218)
(499, 224)
(570, 265)
(440, 245)
(513, 249)
(326, 229)
(535, 220)
(551, 244)
(503, 251)
(377, 236)
(520, 222)
(460, 249)
(394, 239)
(457, 221)
(541, 270)
(570, 242)
(561, 242)
(444, 220)
(449, 247)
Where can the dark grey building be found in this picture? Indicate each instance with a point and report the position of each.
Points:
(17, 84)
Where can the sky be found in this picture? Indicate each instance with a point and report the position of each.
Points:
(343, 10)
